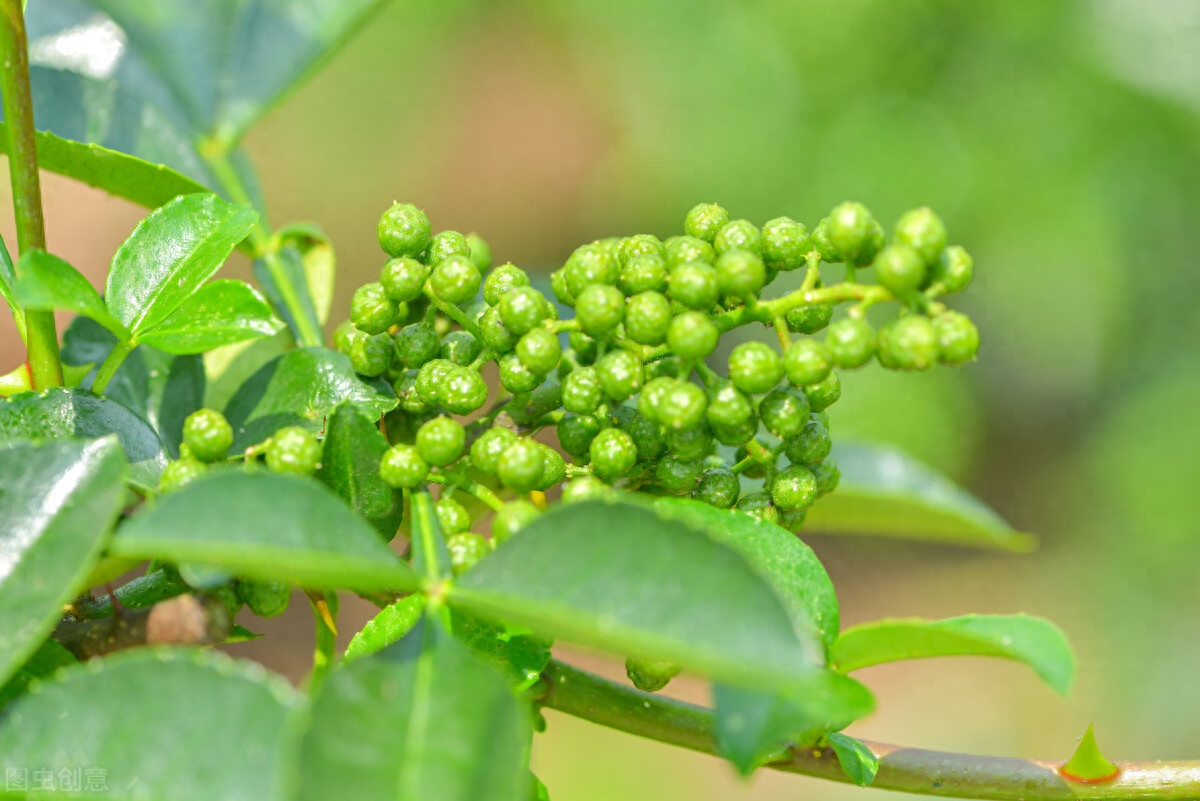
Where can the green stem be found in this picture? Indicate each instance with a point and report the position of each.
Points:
(325, 609)
(454, 313)
(45, 365)
(116, 358)
(429, 550)
(216, 154)
(908, 770)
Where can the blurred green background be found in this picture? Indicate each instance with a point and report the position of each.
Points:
(1059, 140)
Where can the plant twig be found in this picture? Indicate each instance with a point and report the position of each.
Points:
(186, 620)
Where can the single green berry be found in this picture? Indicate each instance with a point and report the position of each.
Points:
(227, 596)
(738, 235)
(416, 344)
(828, 475)
(734, 435)
(683, 406)
(784, 411)
(515, 376)
(452, 516)
(494, 333)
(643, 274)
(924, 232)
(849, 230)
(585, 488)
(755, 367)
(440, 441)
(690, 443)
(599, 308)
(718, 487)
(807, 362)
(207, 434)
(822, 244)
(899, 269)
(539, 350)
(460, 347)
(647, 316)
(909, 343)
(850, 342)
(692, 335)
(371, 355)
(824, 393)
(792, 521)
(343, 335)
(402, 467)
(682, 249)
(694, 284)
(650, 675)
(581, 391)
(958, 339)
(612, 454)
(430, 379)
(554, 471)
(740, 273)
(620, 374)
(794, 489)
(954, 269)
(758, 504)
(511, 518)
(371, 310)
(464, 391)
(481, 252)
(876, 240)
(180, 472)
(522, 465)
(646, 434)
(466, 550)
(522, 309)
(729, 408)
(586, 348)
(405, 387)
(576, 432)
(678, 476)
(445, 244)
(638, 246)
(590, 264)
(810, 446)
(403, 279)
(558, 285)
(705, 220)
(404, 230)
(653, 395)
(809, 319)
(265, 598)
(294, 450)
(784, 243)
(486, 451)
(501, 280)
(455, 280)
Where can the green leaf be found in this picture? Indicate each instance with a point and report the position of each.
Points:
(350, 467)
(302, 387)
(788, 565)
(45, 282)
(188, 725)
(229, 367)
(58, 502)
(521, 657)
(46, 660)
(290, 263)
(320, 263)
(265, 526)
(1032, 641)
(420, 720)
(65, 414)
(389, 626)
(170, 255)
(859, 761)
(8, 287)
(430, 557)
(752, 727)
(219, 313)
(618, 576)
(886, 493)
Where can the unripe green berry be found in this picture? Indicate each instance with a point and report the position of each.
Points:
(582, 391)
(794, 489)
(825, 393)
(404, 231)
(403, 279)
(734, 435)
(440, 441)
(502, 279)
(924, 232)
(511, 518)
(416, 344)
(738, 235)
(515, 376)
(692, 335)
(718, 487)
(590, 264)
(851, 342)
(539, 351)
(647, 316)
(643, 274)
(460, 347)
(954, 269)
(682, 249)
(755, 367)
(612, 454)
(827, 474)
(481, 252)
(678, 476)
(558, 285)
(266, 599)
(371, 355)
(180, 473)
(728, 408)
(705, 220)
(909, 343)
(586, 348)
(522, 465)
(821, 242)
(494, 333)
(585, 488)
(849, 229)
(455, 280)
(807, 362)
(464, 391)
(445, 244)
(740, 273)
(522, 309)
(294, 450)
(343, 335)
(646, 434)
(809, 319)
(371, 310)
(653, 395)
(758, 504)
(576, 432)
(784, 412)
(638, 246)
(554, 469)
(811, 445)
(402, 467)
(430, 379)
(958, 338)
(899, 269)
(466, 550)
(452, 516)
(792, 521)
(650, 675)
(784, 243)
(207, 434)
(599, 308)
(692, 444)
(683, 406)
(620, 374)
(486, 451)
(694, 284)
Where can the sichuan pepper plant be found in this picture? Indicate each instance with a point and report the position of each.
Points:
(623, 458)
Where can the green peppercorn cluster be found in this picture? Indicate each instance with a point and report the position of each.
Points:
(614, 357)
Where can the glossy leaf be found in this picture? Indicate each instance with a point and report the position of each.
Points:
(885, 493)
(391, 625)
(857, 760)
(1032, 641)
(46, 660)
(66, 414)
(320, 263)
(430, 556)
(291, 266)
(422, 719)
(620, 577)
(188, 725)
(265, 526)
(752, 727)
(790, 566)
(302, 387)
(219, 313)
(45, 282)
(521, 657)
(170, 255)
(8, 288)
(58, 501)
(350, 467)
(229, 367)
